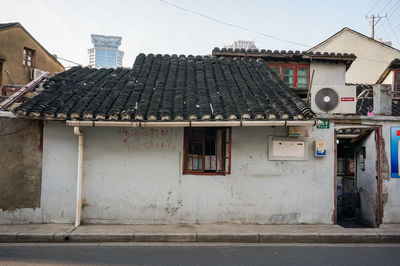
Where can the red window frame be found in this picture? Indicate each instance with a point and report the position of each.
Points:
(295, 67)
(226, 152)
(395, 88)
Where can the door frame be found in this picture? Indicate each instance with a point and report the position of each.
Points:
(378, 144)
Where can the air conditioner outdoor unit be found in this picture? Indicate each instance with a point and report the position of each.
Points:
(333, 99)
(36, 73)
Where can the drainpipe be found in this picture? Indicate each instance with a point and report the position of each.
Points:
(78, 211)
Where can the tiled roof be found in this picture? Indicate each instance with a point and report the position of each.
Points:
(8, 25)
(394, 65)
(290, 55)
(168, 88)
(366, 103)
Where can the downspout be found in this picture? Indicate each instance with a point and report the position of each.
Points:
(78, 211)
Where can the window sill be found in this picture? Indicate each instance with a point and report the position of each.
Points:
(201, 173)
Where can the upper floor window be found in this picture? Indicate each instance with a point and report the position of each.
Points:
(293, 75)
(28, 55)
(396, 86)
(207, 151)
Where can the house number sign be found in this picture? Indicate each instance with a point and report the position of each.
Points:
(324, 125)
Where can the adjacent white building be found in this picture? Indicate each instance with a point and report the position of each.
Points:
(373, 56)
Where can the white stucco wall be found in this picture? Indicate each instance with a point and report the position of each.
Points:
(328, 74)
(389, 79)
(134, 175)
(366, 180)
(372, 57)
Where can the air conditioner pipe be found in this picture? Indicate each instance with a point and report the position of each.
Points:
(78, 211)
(233, 123)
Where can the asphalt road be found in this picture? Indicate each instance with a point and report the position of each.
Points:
(200, 254)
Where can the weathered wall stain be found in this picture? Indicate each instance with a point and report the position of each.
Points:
(20, 164)
(385, 168)
(148, 139)
(284, 218)
(173, 205)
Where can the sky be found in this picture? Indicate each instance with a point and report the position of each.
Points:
(154, 26)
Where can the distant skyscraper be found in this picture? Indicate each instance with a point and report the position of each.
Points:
(105, 52)
(242, 45)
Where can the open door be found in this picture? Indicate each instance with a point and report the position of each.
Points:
(358, 182)
(367, 178)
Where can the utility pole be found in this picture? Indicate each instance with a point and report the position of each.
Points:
(373, 23)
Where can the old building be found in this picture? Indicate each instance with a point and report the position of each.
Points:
(391, 76)
(178, 140)
(22, 57)
(373, 56)
(298, 70)
(206, 140)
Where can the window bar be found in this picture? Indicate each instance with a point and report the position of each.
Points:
(230, 149)
(204, 150)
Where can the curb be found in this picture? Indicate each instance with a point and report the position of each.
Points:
(199, 237)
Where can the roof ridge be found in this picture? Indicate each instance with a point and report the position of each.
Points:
(353, 31)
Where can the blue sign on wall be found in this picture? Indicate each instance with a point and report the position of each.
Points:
(394, 149)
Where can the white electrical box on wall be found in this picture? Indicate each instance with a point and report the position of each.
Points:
(320, 148)
(287, 149)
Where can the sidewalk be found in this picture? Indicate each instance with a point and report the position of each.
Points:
(389, 233)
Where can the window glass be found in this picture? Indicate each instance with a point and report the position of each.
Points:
(277, 71)
(397, 85)
(302, 77)
(287, 71)
(27, 58)
(287, 76)
(206, 150)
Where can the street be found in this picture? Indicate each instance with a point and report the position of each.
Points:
(198, 254)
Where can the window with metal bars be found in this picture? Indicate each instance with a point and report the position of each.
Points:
(207, 151)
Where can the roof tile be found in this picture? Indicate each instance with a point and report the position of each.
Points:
(168, 87)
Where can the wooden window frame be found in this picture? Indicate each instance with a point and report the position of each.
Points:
(1, 78)
(395, 88)
(25, 57)
(226, 154)
(295, 67)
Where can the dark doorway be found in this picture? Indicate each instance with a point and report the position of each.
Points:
(358, 177)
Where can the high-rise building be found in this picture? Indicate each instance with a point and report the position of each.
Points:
(105, 52)
(239, 44)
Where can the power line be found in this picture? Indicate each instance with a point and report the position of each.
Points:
(372, 60)
(373, 6)
(395, 28)
(373, 23)
(232, 25)
(389, 16)
(16, 131)
(395, 36)
(391, 12)
(385, 6)
(57, 57)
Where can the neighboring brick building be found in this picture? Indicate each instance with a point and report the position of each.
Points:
(20, 53)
